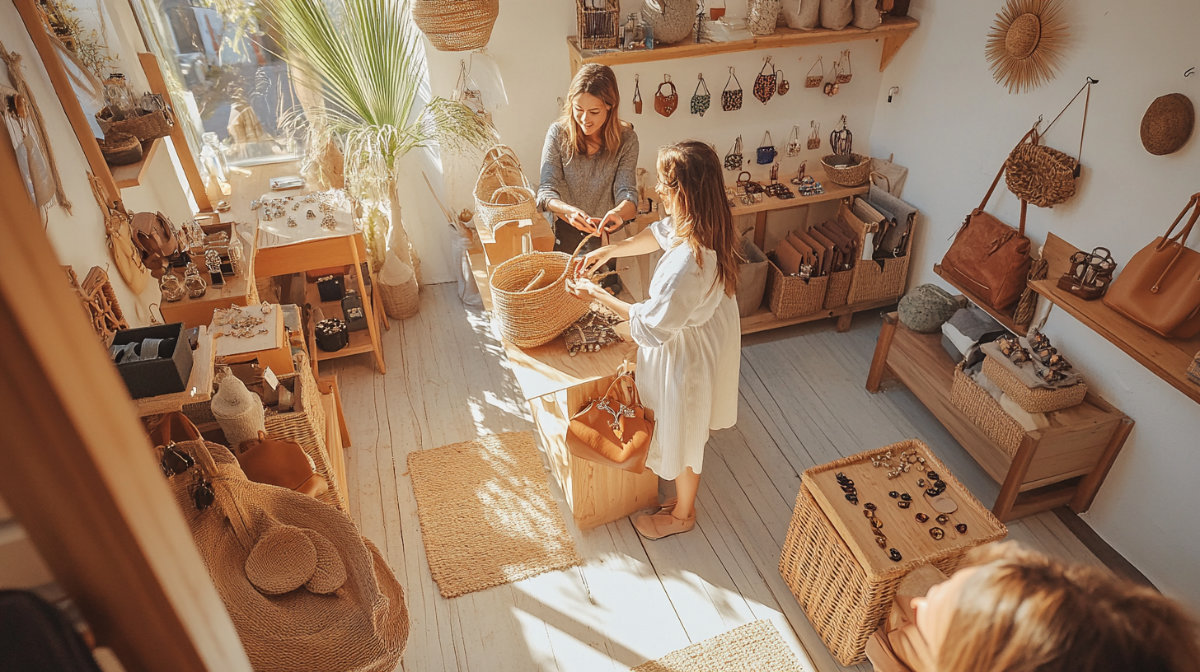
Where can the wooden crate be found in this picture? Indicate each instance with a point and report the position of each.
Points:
(842, 579)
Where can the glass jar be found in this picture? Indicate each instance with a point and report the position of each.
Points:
(236, 255)
(117, 97)
(195, 285)
(171, 287)
(212, 155)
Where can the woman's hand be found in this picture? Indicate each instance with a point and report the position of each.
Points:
(612, 220)
(584, 288)
(593, 260)
(580, 220)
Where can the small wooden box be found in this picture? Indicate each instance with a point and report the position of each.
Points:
(505, 241)
(842, 579)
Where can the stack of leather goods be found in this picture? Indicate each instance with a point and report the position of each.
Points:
(827, 252)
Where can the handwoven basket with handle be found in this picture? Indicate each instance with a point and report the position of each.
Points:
(530, 297)
(501, 191)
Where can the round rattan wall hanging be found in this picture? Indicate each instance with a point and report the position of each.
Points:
(1167, 124)
(1025, 44)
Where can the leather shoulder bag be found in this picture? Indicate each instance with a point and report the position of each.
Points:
(989, 258)
(155, 237)
(614, 429)
(280, 462)
(1160, 286)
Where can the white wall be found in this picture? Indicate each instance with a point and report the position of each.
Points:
(953, 125)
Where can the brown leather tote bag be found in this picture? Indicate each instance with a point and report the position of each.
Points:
(989, 258)
(280, 462)
(1160, 286)
(614, 429)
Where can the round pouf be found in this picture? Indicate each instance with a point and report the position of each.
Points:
(926, 307)
(238, 411)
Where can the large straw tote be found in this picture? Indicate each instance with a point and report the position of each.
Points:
(501, 191)
(530, 297)
(456, 25)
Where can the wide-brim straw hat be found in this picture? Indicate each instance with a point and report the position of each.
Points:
(1167, 123)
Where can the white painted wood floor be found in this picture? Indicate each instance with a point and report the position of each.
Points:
(802, 403)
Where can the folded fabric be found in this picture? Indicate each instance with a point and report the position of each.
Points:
(957, 344)
(974, 323)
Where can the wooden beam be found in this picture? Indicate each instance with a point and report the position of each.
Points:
(183, 150)
(67, 98)
(80, 474)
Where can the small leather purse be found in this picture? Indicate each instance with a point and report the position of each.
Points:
(748, 185)
(794, 146)
(784, 85)
(155, 237)
(665, 104)
(812, 81)
(764, 84)
(701, 101)
(615, 429)
(814, 138)
(731, 99)
(637, 96)
(733, 160)
(280, 462)
(766, 151)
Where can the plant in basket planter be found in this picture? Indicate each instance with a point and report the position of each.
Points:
(364, 57)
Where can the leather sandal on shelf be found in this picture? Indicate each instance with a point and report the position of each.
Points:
(662, 524)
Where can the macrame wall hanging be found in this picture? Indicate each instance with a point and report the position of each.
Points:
(1025, 45)
(21, 113)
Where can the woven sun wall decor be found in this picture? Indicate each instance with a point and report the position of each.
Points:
(1025, 44)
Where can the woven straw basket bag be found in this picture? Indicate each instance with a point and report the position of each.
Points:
(501, 191)
(530, 297)
(456, 25)
(1041, 175)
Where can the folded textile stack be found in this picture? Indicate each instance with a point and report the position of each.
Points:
(966, 329)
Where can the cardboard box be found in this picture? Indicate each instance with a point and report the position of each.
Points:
(165, 375)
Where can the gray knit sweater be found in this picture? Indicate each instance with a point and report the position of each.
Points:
(594, 183)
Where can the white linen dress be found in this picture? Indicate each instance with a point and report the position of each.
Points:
(689, 350)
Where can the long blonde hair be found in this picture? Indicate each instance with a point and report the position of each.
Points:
(1023, 612)
(691, 170)
(601, 82)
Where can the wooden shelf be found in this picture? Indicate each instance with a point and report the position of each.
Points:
(833, 192)
(1065, 462)
(1005, 321)
(894, 31)
(360, 341)
(764, 319)
(130, 175)
(1166, 358)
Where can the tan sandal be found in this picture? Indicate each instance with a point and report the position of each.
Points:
(662, 524)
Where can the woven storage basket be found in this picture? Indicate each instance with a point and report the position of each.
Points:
(146, 126)
(839, 288)
(872, 283)
(1032, 399)
(598, 28)
(535, 316)
(847, 176)
(791, 296)
(981, 409)
(506, 204)
(400, 301)
(120, 149)
(844, 600)
(456, 25)
(493, 202)
(1040, 175)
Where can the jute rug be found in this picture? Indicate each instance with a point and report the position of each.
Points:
(487, 517)
(754, 647)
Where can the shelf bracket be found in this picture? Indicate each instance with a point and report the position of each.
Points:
(891, 45)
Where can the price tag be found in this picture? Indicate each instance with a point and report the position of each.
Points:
(270, 377)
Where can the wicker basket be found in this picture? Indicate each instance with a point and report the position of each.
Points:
(400, 302)
(1040, 175)
(1032, 399)
(456, 25)
(506, 204)
(873, 283)
(839, 288)
(844, 598)
(598, 28)
(494, 201)
(847, 175)
(792, 296)
(533, 310)
(120, 149)
(146, 126)
(980, 408)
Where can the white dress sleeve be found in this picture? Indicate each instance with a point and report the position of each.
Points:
(681, 288)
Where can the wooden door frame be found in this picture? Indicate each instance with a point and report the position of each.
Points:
(79, 473)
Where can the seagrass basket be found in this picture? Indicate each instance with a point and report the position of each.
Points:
(1032, 399)
(854, 173)
(399, 301)
(120, 148)
(456, 25)
(792, 296)
(493, 202)
(980, 408)
(1040, 175)
(838, 289)
(506, 204)
(145, 126)
(530, 297)
(876, 280)
(599, 28)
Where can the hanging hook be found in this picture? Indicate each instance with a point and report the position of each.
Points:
(1189, 72)
(1092, 80)
(636, 78)
(700, 76)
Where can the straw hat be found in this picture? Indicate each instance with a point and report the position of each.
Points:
(1167, 124)
(1025, 43)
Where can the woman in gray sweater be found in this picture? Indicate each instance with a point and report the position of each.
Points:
(588, 180)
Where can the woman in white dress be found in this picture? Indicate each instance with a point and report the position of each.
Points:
(688, 332)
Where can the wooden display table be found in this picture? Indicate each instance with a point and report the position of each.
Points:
(1064, 463)
(556, 385)
(842, 578)
(238, 290)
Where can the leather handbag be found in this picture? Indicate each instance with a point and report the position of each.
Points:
(1160, 286)
(614, 429)
(155, 237)
(766, 151)
(280, 462)
(989, 258)
(665, 104)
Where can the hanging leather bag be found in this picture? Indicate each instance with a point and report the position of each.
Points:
(665, 104)
(614, 429)
(154, 236)
(766, 153)
(280, 462)
(1160, 286)
(989, 258)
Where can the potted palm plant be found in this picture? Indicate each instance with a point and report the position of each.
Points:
(365, 59)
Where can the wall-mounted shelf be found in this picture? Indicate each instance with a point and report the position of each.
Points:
(1166, 358)
(130, 175)
(893, 31)
(1005, 321)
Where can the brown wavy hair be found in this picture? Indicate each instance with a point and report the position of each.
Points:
(1021, 611)
(601, 82)
(691, 171)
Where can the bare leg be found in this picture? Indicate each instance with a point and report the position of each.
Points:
(687, 484)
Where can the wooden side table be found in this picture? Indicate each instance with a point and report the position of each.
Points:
(843, 579)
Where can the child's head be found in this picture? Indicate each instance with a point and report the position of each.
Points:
(591, 110)
(693, 193)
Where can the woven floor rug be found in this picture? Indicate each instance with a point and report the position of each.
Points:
(754, 647)
(487, 516)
